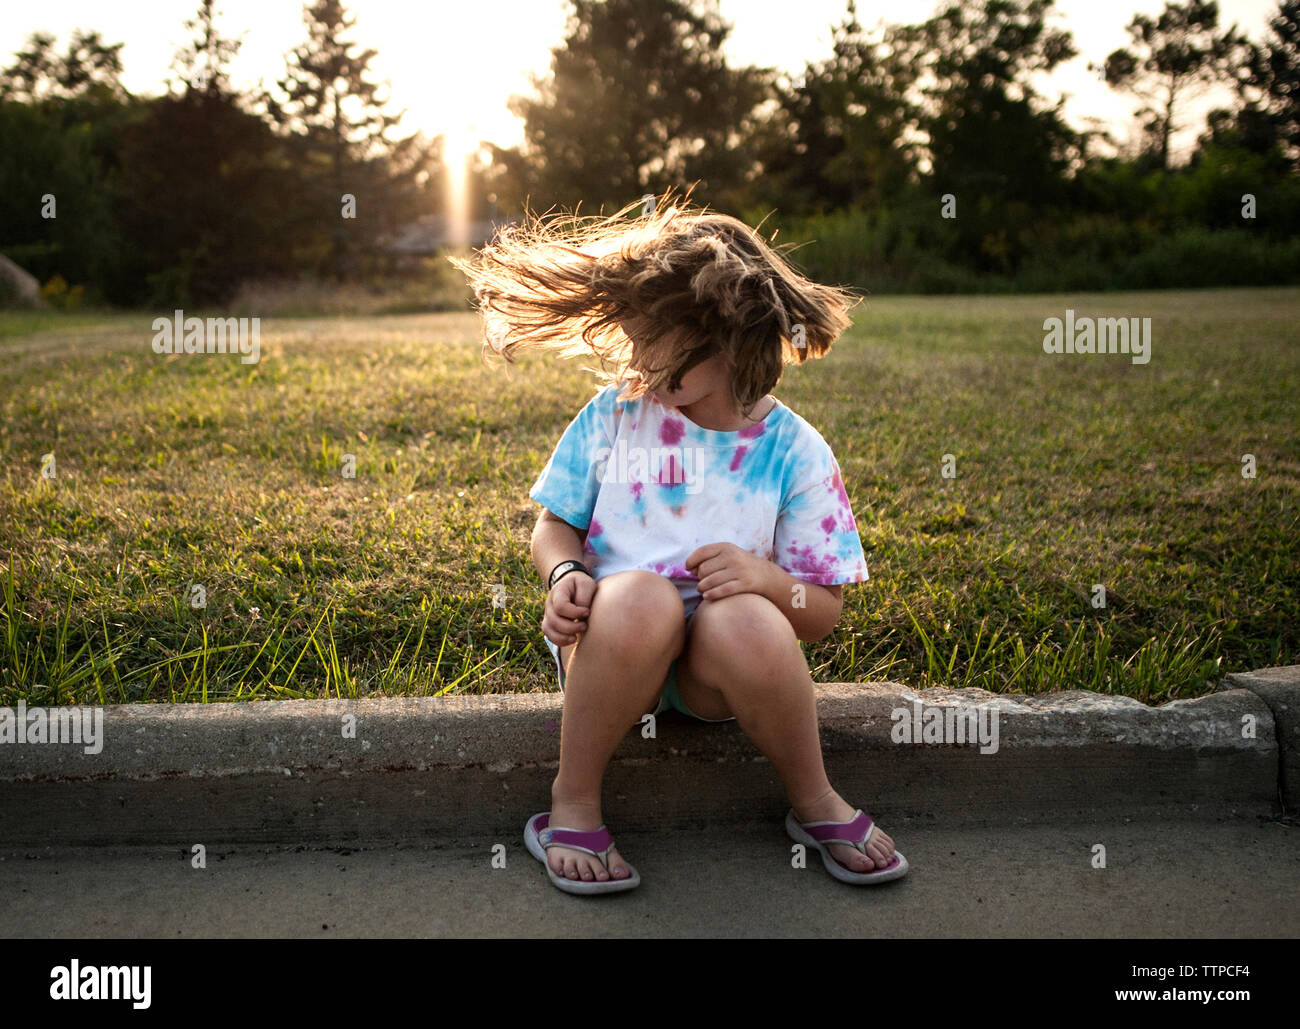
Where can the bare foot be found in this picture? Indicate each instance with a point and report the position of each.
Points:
(833, 808)
(577, 864)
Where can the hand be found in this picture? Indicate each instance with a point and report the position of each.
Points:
(724, 569)
(567, 607)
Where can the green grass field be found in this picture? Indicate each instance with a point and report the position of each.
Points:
(183, 471)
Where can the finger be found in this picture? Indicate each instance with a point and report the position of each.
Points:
(566, 609)
(568, 626)
(712, 566)
(714, 581)
(563, 596)
(560, 639)
(567, 590)
(700, 554)
(721, 592)
(584, 590)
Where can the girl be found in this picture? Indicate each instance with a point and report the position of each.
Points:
(694, 529)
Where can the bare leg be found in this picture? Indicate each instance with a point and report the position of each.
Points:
(743, 658)
(613, 676)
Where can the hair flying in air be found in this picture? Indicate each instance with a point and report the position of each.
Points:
(653, 296)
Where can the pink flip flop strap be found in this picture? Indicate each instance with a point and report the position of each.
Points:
(855, 832)
(594, 841)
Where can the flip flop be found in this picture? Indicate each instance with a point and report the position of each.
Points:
(539, 837)
(855, 832)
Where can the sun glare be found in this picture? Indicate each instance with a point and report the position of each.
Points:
(459, 145)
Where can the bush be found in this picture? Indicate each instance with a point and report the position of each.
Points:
(1203, 257)
(59, 295)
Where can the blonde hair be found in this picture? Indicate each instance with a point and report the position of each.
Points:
(698, 283)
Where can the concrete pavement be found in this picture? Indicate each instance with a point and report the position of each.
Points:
(1203, 879)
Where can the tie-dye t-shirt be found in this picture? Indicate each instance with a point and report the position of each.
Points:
(650, 486)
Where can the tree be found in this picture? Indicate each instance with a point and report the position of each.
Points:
(1171, 59)
(339, 124)
(59, 116)
(88, 67)
(639, 99)
(201, 184)
(41, 156)
(202, 65)
(1273, 75)
(844, 133)
(993, 143)
(200, 198)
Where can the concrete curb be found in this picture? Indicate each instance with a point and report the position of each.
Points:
(473, 767)
(1279, 688)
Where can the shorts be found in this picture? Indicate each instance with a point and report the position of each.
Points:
(671, 698)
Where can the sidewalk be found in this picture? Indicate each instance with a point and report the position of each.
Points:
(1203, 879)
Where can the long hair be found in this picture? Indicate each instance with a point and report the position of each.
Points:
(654, 296)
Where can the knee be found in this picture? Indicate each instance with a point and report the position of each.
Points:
(642, 607)
(744, 631)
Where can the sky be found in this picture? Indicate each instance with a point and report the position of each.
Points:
(453, 64)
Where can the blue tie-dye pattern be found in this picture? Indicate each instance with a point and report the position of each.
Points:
(782, 501)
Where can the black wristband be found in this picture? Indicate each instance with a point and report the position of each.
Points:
(563, 569)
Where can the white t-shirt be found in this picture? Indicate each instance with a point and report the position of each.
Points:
(650, 486)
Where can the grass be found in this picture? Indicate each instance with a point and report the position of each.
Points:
(179, 472)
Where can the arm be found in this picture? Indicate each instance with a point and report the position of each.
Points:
(820, 612)
(555, 540)
(569, 603)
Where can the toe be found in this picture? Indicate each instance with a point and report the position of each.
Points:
(851, 858)
(577, 866)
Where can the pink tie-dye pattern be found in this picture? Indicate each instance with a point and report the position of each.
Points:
(740, 456)
(636, 490)
(818, 568)
(837, 485)
(673, 571)
(669, 474)
(752, 431)
(845, 520)
(672, 431)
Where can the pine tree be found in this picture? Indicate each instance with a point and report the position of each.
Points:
(202, 65)
(340, 126)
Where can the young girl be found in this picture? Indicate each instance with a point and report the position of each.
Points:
(694, 529)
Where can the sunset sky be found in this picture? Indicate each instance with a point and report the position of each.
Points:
(452, 65)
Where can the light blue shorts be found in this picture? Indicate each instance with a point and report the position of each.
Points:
(671, 698)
